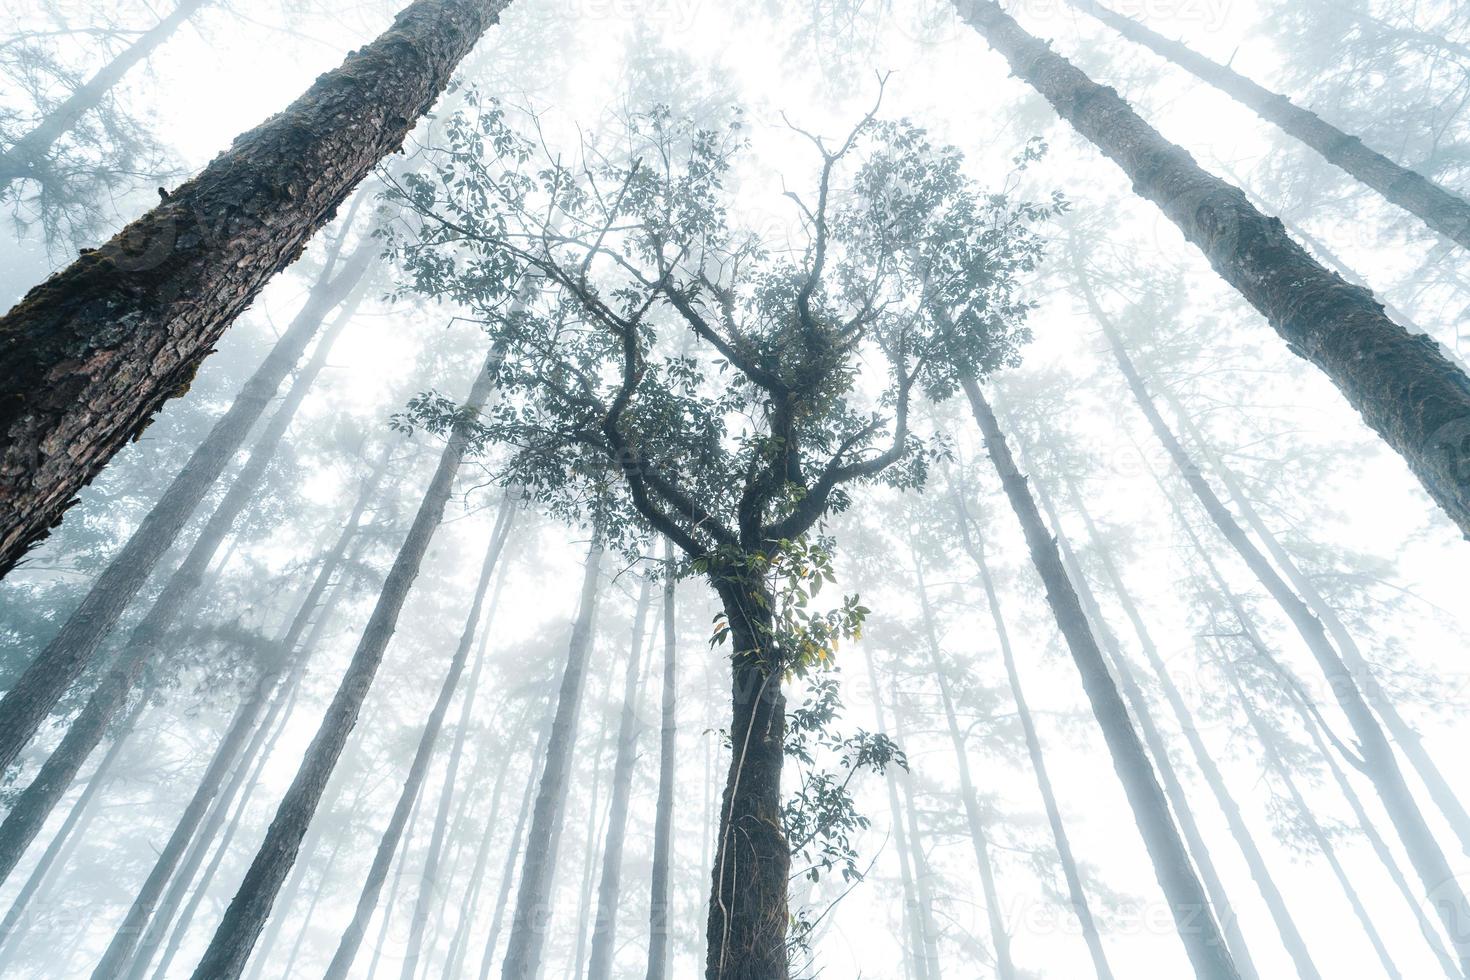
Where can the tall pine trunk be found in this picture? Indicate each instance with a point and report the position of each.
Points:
(230, 948)
(533, 909)
(23, 157)
(609, 887)
(1444, 211)
(1070, 873)
(923, 878)
(418, 770)
(663, 821)
(74, 388)
(1193, 917)
(1404, 387)
(35, 693)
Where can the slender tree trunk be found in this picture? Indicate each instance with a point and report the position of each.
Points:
(748, 914)
(74, 648)
(416, 809)
(1406, 390)
(533, 910)
(1444, 211)
(923, 879)
(596, 833)
(1070, 872)
(1005, 967)
(316, 896)
(230, 948)
(24, 157)
(1193, 916)
(1286, 927)
(663, 823)
(1380, 765)
(609, 888)
(418, 771)
(914, 967)
(74, 388)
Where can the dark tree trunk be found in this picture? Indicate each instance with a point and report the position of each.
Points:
(35, 693)
(230, 948)
(1005, 967)
(746, 930)
(609, 887)
(532, 917)
(1380, 764)
(1440, 209)
(1406, 390)
(1193, 916)
(418, 770)
(663, 821)
(23, 157)
(91, 354)
(1070, 872)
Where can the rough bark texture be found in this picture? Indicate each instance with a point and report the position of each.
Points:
(609, 886)
(35, 693)
(663, 821)
(230, 948)
(91, 354)
(21, 158)
(1439, 208)
(748, 917)
(1193, 917)
(533, 901)
(1404, 387)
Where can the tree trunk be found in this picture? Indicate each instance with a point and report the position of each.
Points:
(35, 693)
(230, 948)
(1406, 390)
(1380, 764)
(74, 388)
(1070, 872)
(923, 879)
(609, 887)
(1193, 916)
(20, 160)
(1005, 967)
(746, 929)
(596, 832)
(418, 770)
(1439, 208)
(533, 910)
(416, 810)
(1291, 936)
(663, 822)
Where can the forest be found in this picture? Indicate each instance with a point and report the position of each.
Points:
(660, 489)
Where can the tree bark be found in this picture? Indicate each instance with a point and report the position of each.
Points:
(74, 648)
(418, 770)
(1070, 872)
(1193, 916)
(91, 354)
(1446, 212)
(1404, 387)
(230, 948)
(21, 158)
(923, 879)
(609, 887)
(533, 901)
(663, 822)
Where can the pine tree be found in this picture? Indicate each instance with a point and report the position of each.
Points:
(663, 828)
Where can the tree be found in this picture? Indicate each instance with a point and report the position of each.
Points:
(663, 829)
(74, 389)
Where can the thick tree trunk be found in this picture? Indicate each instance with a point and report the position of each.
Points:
(367, 902)
(609, 887)
(748, 917)
(1286, 926)
(230, 948)
(35, 693)
(1406, 390)
(533, 909)
(1005, 967)
(1193, 916)
(1380, 764)
(23, 157)
(1070, 872)
(91, 354)
(1444, 211)
(663, 820)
